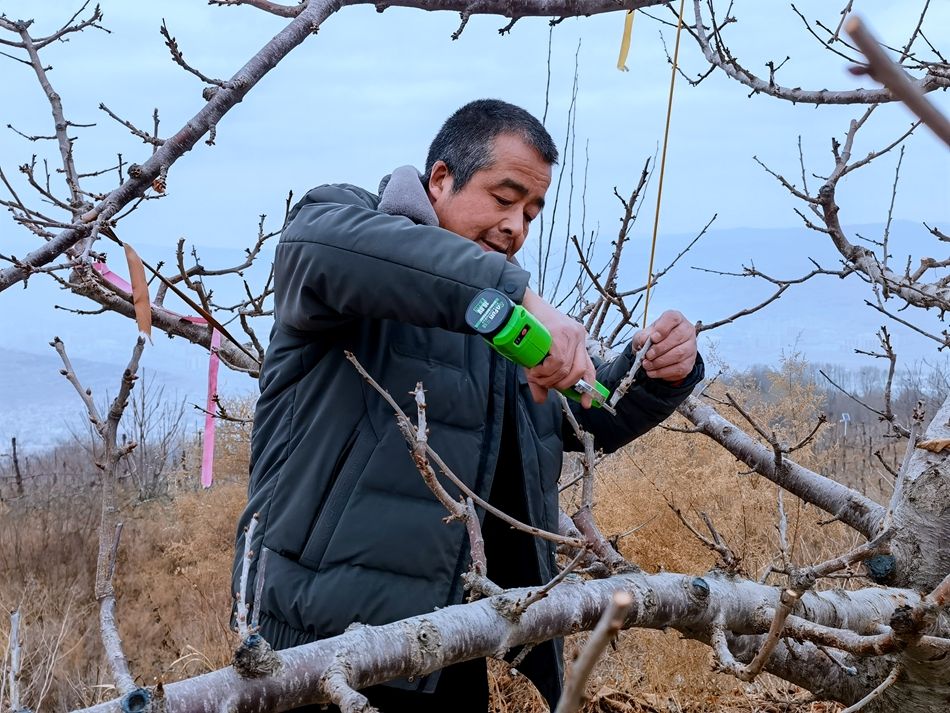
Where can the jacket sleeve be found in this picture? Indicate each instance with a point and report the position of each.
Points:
(338, 258)
(647, 403)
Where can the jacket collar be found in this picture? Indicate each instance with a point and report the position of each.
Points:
(402, 193)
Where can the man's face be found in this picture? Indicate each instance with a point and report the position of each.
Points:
(498, 203)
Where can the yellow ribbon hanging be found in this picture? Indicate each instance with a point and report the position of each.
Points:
(666, 138)
(625, 42)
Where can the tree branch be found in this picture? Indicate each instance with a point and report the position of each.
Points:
(849, 506)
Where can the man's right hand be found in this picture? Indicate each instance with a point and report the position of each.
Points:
(568, 361)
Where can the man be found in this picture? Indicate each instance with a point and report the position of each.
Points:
(351, 531)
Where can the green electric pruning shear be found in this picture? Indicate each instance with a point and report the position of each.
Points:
(518, 335)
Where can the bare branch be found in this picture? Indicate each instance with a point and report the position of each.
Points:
(898, 493)
(876, 693)
(306, 20)
(627, 381)
(179, 58)
(397, 650)
(610, 624)
(891, 76)
(728, 558)
(541, 592)
(241, 603)
(144, 135)
(271, 7)
(405, 426)
(851, 507)
(720, 57)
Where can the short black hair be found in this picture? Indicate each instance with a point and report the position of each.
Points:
(466, 139)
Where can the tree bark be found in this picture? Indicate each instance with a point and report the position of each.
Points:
(847, 505)
(922, 515)
(417, 646)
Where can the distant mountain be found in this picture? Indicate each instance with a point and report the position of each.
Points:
(40, 408)
(825, 319)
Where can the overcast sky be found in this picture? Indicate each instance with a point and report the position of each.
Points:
(369, 91)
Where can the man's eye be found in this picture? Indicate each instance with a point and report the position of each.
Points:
(504, 202)
(528, 218)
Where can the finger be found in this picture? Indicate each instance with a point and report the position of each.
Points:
(678, 355)
(665, 324)
(538, 393)
(549, 374)
(683, 333)
(674, 373)
(670, 353)
(639, 339)
(581, 368)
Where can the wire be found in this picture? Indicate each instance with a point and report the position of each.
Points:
(666, 138)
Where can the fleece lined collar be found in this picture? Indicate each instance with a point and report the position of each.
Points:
(402, 193)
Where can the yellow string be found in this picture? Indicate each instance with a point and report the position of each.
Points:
(666, 138)
(625, 42)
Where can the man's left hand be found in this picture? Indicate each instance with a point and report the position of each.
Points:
(673, 353)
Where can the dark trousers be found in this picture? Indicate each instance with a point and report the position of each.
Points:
(462, 688)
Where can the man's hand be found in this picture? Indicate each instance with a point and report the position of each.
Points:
(673, 353)
(568, 361)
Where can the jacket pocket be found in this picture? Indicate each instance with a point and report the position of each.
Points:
(435, 347)
(352, 464)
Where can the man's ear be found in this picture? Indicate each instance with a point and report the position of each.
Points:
(440, 180)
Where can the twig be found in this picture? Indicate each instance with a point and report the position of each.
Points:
(336, 684)
(849, 670)
(782, 528)
(729, 559)
(898, 494)
(943, 341)
(801, 581)
(822, 420)
(725, 661)
(789, 598)
(14, 645)
(259, 588)
(540, 593)
(876, 693)
(265, 5)
(627, 381)
(881, 68)
(144, 135)
(455, 508)
(242, 612)
(84, 394)
(610, 623)
(584, 521)
(898, 428)
(476, 539)
(179, 59)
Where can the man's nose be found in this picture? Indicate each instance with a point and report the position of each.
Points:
(513, 225)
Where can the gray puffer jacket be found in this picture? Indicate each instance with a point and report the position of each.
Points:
(352, 532)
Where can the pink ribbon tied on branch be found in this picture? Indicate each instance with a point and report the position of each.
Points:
(214, 361)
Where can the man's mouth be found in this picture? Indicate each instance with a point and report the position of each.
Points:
(489, 247)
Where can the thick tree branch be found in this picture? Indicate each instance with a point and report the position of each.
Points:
(847, 505)
(420, 645)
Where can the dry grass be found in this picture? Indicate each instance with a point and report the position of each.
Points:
(660, 671)
(174, 570)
